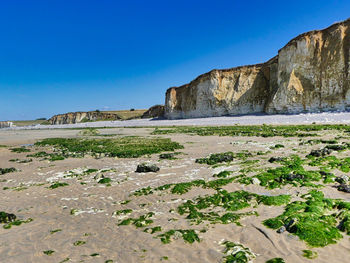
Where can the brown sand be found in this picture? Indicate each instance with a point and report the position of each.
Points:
(95, 224)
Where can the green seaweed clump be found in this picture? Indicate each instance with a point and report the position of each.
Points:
(15, 222)
(309, 254)
(277, 146)
(38, 154)
(122, 212)
(237, 253)
(230, 202)
(292, 172)
(57, 184)
(105, 180)
(79, 243)
(274, 200)
(124, 147)
(20, 161)
(48, 156)
(7, 217)
(188, 235)
(178, 188)
(89, 132)
(143, 220)
(223, 174)
(55, 231)
(168, 156)
(153, 230)
(331, 162)
(226, 157)
(318, 221)
(275, 260)
(182, 188)
(7, 170)
(143, 191)
(19, 150)
(48, 252)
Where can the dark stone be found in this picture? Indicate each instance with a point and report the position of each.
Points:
(325, 173)
(321, 152)
(276, 159)
(292, 177)
(344, 188)
(6, 217)
(145, 168)
(336, 147)
(291, 226)
(167, 156)
(344, 179)
(281, 229)
(7, 170)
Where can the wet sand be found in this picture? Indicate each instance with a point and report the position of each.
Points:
(95, 224)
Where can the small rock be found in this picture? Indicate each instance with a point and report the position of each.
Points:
(167, 156)
(7, 217)
(335, 147)
(343, 179)
(177, 235)
(281, 229)
(256, 181)
(325, 173)
(321, 152)
(291, 226)
(344, 188)
(145, 168)
(275, 159)
(99, 176)
(292, 177)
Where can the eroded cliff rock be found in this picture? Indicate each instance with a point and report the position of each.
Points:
(155, 111)
(311, 73)
(76, 117)
(6, 124)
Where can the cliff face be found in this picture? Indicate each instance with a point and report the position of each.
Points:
(311, 73)
(154, 112)
(222, 92)
(6, 124)
(76, 117)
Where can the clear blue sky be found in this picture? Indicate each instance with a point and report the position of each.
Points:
(60, 56)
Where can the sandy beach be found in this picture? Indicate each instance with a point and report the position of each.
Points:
(79, 223)
(258, 119)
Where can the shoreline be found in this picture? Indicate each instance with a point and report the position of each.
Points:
(257, 119)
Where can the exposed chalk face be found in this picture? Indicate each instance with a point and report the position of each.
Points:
(5, 124)
(76, 117)
(311, 73)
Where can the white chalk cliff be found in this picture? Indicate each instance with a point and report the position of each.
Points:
(310, 74)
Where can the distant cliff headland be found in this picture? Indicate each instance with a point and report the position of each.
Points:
(90, 116)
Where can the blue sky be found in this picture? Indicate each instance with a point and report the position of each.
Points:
(61, 56)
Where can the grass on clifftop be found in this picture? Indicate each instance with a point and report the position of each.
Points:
(125, 147)
(255, 130)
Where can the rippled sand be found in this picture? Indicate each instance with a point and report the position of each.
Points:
(94, 204)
